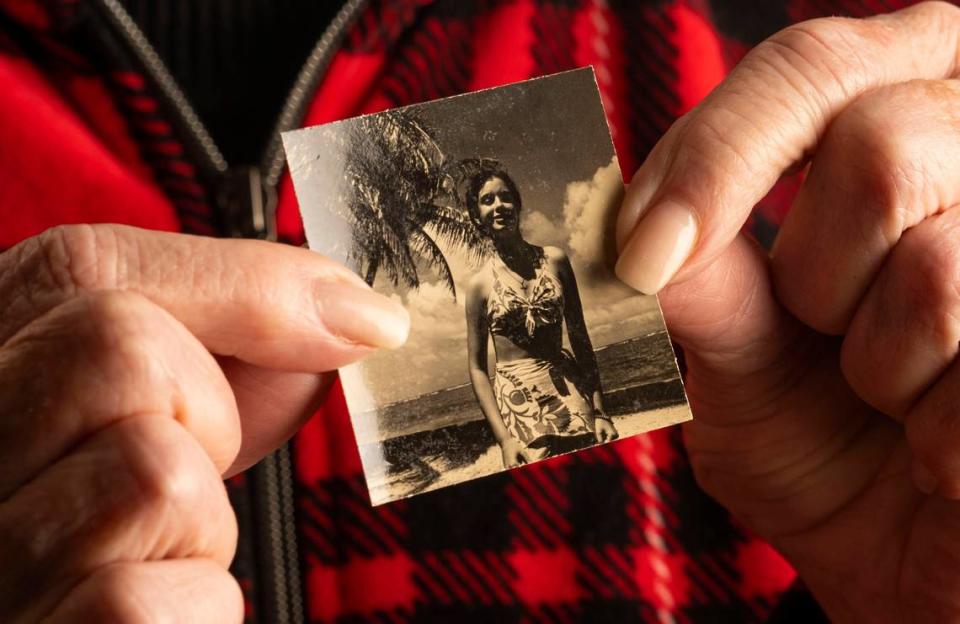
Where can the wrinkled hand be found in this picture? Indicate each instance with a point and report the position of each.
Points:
(513, 453)
(604, 430)
(136, 369)
(823, 378)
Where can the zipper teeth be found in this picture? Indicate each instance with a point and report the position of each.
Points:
(161, 76)
(286, 606)
(303, 87)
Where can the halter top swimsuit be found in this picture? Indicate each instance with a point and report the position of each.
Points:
(516, 308)
(538, 399)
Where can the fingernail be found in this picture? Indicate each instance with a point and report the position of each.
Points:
(658, 247)
(635, 202)
(925, 480)
(358, 314)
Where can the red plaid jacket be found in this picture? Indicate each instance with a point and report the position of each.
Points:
(89, 132)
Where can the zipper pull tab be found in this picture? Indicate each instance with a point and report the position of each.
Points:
(247, 205)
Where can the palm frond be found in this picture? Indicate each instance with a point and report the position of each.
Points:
(428, 249)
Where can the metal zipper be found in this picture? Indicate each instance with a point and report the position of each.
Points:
(303, 87)
(162, 79)
(247, 197)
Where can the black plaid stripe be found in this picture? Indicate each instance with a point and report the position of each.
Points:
(748, 21)
(650, 74)
(808, 9)
(711, 542)
(540, 507)
(465, 576)
(399, 616)
(381, 24)
(598, 498)
(551, 24)
(163, 151)
(435, 60)
(338, 523)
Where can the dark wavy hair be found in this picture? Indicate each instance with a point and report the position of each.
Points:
(476, 183)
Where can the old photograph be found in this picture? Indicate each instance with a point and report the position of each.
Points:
(490, 217)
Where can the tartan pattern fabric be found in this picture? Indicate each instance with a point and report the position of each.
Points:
(619, 533)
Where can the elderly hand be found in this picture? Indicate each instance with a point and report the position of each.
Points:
(823, 378)
(136, 369)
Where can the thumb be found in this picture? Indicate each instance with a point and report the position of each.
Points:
(697, 187)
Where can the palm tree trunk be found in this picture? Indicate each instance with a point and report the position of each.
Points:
(374, 264)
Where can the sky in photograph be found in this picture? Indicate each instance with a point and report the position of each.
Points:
(551, 136)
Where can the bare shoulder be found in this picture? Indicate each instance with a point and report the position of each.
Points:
(555, 256)
(478, 287)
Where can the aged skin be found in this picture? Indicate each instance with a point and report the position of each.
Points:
(823, 379)
(841, 450)
(119, 424)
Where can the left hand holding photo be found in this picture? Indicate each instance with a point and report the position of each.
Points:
(136, 370)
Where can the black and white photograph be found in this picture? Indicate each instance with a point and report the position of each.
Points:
(490, 217)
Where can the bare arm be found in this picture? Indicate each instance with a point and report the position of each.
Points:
(577, 331)
(477, 333)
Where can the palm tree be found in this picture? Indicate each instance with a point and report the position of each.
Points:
(402, 202)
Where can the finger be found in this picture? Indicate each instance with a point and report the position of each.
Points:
(933, 430)
(907, 330)
(888, 161)
(273, 406)
(267, 304)
(191, 591)
(142, 489)
(97, 359)
(775, 425)
(732, 330)
(689, 199)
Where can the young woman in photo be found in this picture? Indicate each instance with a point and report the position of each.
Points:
(544, 400)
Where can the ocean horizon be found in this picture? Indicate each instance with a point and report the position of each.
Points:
(636, 374)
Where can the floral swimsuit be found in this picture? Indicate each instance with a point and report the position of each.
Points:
(536, 397)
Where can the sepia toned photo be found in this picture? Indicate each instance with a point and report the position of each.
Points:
(489, 216)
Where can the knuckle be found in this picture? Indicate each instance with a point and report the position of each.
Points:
(813, 37)
(888, 174)
(119, 331)
(78, 257)
(170, 477)
(164, 471)
(825, 53)
(928, 281)
(944, 15)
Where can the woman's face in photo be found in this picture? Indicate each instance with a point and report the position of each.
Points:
(497, 206)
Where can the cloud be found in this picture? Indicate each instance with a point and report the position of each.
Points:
(589, 213)
(434, 355)
(541, 229)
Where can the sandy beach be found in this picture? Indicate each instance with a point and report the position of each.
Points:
(439, 470)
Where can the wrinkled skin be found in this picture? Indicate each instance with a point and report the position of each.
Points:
(822, 376)
(137, 369)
